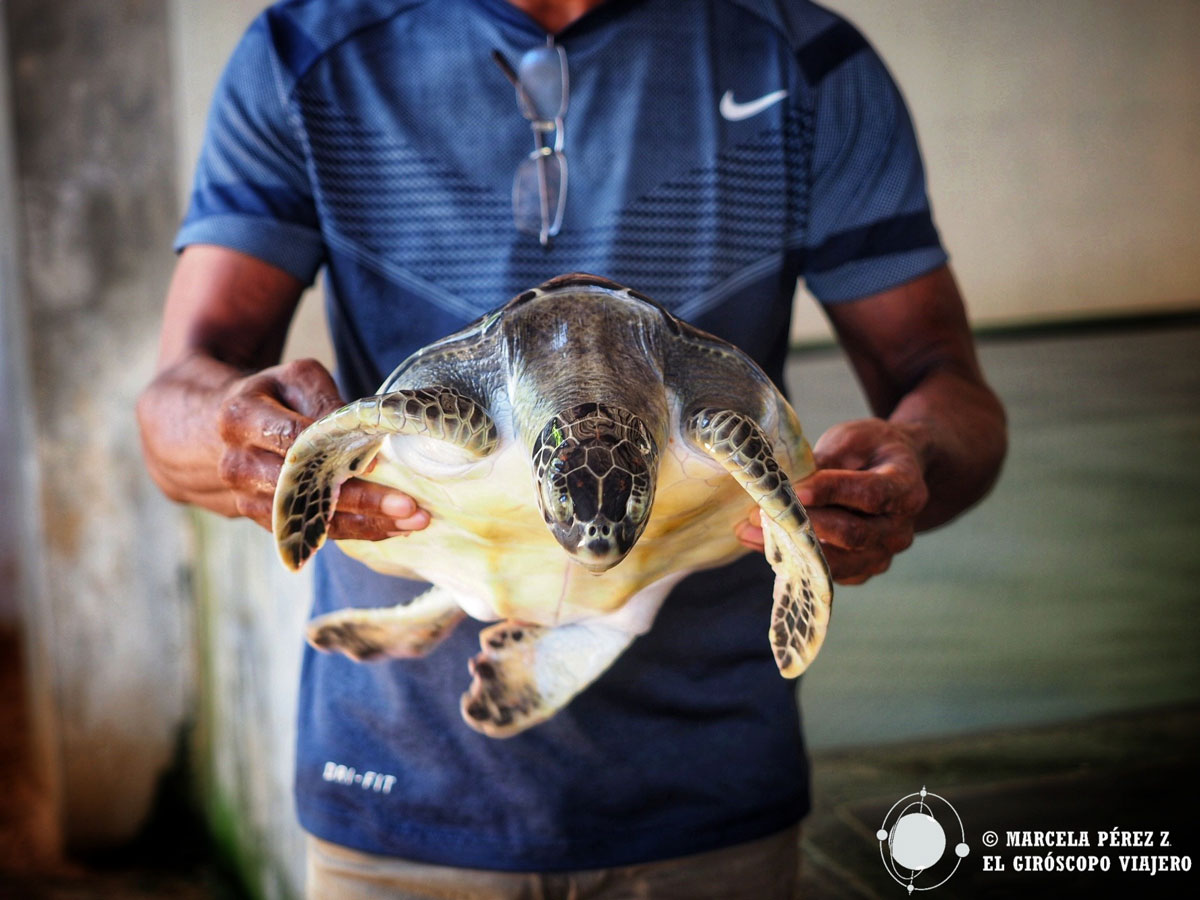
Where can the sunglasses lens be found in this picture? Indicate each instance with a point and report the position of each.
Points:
(539, 193)
(543, 74)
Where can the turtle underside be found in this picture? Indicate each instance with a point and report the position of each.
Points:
(579, 451)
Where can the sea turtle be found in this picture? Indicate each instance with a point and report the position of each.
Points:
(580, 450)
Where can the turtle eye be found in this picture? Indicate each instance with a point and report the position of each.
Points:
(639, 499)
(641, 439)
(559, 499)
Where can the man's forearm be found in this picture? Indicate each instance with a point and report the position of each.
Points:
(939, 439)
(958, 428)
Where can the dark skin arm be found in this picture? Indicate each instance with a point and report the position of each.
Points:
(937, 443)
(218, 417)
(221, 413)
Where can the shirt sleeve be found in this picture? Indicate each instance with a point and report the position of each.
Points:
(252, 192)
(870, 227)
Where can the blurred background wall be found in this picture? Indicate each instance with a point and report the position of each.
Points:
(1061, 143)
(12, 361)
(99, 569)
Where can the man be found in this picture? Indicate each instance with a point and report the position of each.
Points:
(715, 153)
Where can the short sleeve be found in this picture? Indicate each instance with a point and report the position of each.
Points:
(252, 192)
(869, 227)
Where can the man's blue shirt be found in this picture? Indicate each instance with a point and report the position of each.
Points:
(379, 139)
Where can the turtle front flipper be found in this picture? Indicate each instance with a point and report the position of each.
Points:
(803, 589)
(527, 673)
(342, 444)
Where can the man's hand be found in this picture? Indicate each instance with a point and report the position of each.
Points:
(863, 499)
(216, 436)
(259, 419)
(937, 446)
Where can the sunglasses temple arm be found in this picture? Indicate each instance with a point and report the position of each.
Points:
(511, 74)
(543, 199)
(543, 185)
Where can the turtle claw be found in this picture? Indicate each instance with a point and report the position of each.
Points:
(503, 698)
(352, 639)
(525, 674)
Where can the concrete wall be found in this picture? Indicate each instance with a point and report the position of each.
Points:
(22, 571)
(14, 422)
(107, 612)
(251, 615)
(250, 611)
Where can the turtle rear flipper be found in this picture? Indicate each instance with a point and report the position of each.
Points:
(398, 632)
(527, 673)
(341, 445)
(803, 589)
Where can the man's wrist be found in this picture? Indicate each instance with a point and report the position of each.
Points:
(919, 435)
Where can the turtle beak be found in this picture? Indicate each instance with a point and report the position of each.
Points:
(603, 544)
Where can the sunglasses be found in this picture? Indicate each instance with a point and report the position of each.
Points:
(540, 184)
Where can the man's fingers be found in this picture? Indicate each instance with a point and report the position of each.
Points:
(356, 527)
(368, 498)
(848, 445)
(855, 566)
(256, 507)
(344, 526)
(254, 417)
(307, 387)
(365, 511)
(864, 496)
(750, 535)
(888, 489)
(415, 522)
(371, 512)
(852, 531)
(270, 409)
(248, 470)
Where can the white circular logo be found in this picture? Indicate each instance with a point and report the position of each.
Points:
(912, 841)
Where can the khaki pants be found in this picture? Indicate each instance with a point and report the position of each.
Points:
(765, 869)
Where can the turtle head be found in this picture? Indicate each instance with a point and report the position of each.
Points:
(596, 467)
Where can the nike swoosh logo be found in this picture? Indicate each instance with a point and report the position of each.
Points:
(735, 112)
